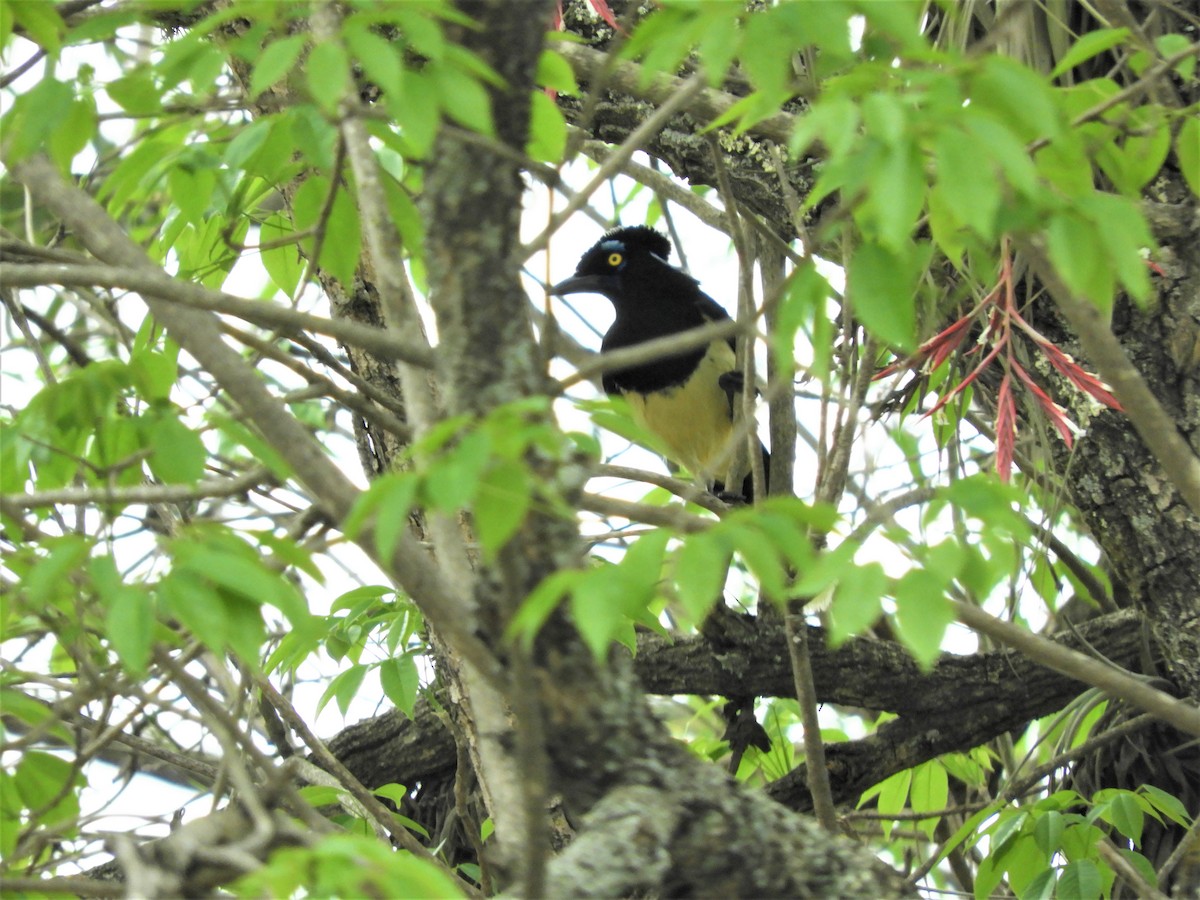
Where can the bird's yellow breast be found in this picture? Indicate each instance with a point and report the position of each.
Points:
(693, 418)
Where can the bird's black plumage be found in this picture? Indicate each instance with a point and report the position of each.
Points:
(686, 398)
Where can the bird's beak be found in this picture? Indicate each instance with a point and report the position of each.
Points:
(584, 284)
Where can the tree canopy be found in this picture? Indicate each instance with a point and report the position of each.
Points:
(293, 436)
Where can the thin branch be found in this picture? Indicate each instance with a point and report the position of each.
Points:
(1158, 70)
(630, 78)
(1157, 429)
(74, 885)
(156, 284)
(331, 764)
(669, 516)
(197, 334)
(648, 351)
(141, 493)
(674, 104)
(686, 490)
(1113, 681)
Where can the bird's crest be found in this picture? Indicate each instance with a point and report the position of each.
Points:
(640, 237)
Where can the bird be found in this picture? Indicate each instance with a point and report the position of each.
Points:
(686, 399)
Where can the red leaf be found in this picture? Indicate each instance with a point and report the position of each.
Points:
(605, 12)
(1055, 413)
(966, 381)
(1006, 429)
(1082, 379)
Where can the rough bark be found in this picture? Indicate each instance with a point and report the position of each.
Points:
(962, 702)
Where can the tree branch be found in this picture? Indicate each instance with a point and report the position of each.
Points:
(1104, 351)
(156, 284)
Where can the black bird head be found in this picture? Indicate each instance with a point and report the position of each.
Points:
(628, 265)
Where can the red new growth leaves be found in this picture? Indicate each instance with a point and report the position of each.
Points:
(999, 308)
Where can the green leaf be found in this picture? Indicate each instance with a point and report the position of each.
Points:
(555, 73)
(196, 604)
(342, 233)
(1187, 151)
(597, 604)
(1017, 96)
(761, 558)
(129, 616)
(880, 287)
(1041, 887)
(1079, 841)
(1080, 880)
(453, 480)
(1003, 147)
(379, 58)
(1125, 813)
(417, 113)
(547, 130)
(48, 786)
(400, 681)
(464, 99)
(922, 614)
(33, 117)
(1048, 830)
(327, 73)
(896, 195)
(1091, 44)
(701, 563)
(501, 502)
(73, 133)
(930, 792)
(856, 601)
(34, 713)
(1169, 805)
(397, 793)
(1074, 246)
(136, 92)
(239, 574)
(343, 688)
(40, 21)
(893, 792)
(275, 61)
(971, 199)
(541, 602)
(179, 455)
(52, 577)
(283, 263)
(1124, 237)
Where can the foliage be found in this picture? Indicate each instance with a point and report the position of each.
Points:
(153, 529)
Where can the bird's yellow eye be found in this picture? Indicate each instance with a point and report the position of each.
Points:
(614, 259)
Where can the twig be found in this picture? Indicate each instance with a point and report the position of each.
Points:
(648, 351)
(686, 490)
(1108, 678)
(1183, 850)
(199, 336)
(141, 493)
(156, 284)
(76, 886)
(674, 104)
(629, 78)
(1119, 864)
(335, 767)
(1157, 429)
(670, 516)
(816, 769)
